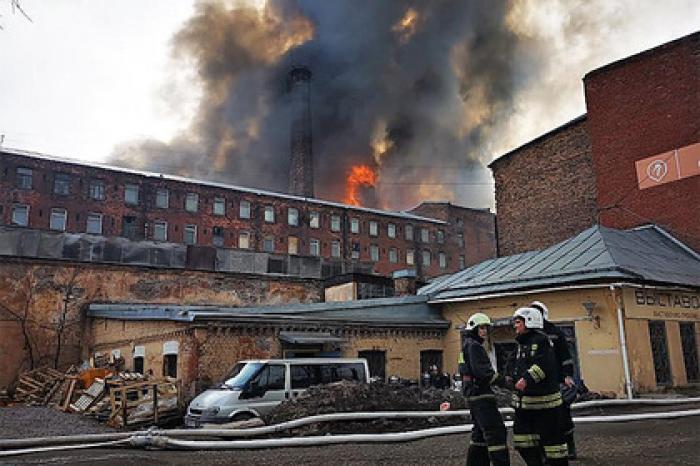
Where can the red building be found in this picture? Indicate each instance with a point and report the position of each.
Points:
(45, 193)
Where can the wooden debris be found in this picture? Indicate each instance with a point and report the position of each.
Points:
(36, 387)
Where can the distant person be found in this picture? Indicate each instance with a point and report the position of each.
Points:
(439, 380)
(566, 372)
(537, 427)
(488, 440)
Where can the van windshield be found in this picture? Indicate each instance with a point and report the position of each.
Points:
(242, 373)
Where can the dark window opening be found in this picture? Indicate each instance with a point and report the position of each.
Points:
(138, 364)
(170, 365)
(690, 351)
(376, 360)
(659, 349)
(129, 227)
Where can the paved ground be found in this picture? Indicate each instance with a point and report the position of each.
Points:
(662, 442)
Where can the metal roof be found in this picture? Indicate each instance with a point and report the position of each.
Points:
(599, 254)
(214, 184)
(401, 311)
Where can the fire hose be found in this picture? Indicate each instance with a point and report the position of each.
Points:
(154, 438)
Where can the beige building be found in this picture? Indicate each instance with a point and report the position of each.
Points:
(628, 301)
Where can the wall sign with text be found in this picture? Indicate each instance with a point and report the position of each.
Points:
(657, 304)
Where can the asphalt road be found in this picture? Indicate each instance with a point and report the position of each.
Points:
(660, 442)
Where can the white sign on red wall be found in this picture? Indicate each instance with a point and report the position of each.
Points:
(668, 166)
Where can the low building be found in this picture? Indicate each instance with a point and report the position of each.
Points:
(628, 301)
(200, 344)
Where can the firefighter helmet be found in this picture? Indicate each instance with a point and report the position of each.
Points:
(478, 319)
(542, 308)
(531, 316)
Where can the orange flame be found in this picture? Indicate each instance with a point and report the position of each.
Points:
(360, 175)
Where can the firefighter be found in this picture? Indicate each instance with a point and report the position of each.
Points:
(566, 373)
(537, 401)
(488, 440)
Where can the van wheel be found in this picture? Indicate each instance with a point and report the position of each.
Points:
(242, 417)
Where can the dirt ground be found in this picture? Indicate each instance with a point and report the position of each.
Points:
(661, 442)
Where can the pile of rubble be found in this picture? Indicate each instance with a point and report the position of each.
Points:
(121, 399)
(348, 396)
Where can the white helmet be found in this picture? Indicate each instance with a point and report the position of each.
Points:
(478, 319)
(542, 308)
(531, 316)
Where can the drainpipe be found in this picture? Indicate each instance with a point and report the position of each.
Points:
(623, 342)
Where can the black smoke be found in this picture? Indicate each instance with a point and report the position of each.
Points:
(432, 90)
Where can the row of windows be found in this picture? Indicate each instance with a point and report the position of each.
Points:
(191, 204)
(94, 225)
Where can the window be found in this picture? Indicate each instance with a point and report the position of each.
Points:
(424, 235)
(58, 219)
(410, 260)
(20, 215)
(335, 249)
(219, 207)
(244, 240)
(354, 225)
(293, 245)
(130, 227)
(408, 232)
(440, 236)
(170, 365)
(160, 231)
(97, 190)
(61, 184)
(374, 252)
(244, 209)
(131, 194)
(426, 259)
(162, 198)
(269, 244)
(462, 262)
(393, 255)
(269, 214)
(460, 239)
(94, 224)
(292, 216)
(314, 220)
(314, 247)
(270, 378)
(192, 202)
(138, 364)
(217, 237)
(335, 222)
(373, 228)
(24, 178)
(355, 253)
(391, 230)
(189, 234)
(304, 376)
(442, 260)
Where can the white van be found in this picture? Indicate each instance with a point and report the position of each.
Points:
(255, 387)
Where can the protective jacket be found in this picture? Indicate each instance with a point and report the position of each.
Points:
(536, 363)
(477, 372)
(561, 350)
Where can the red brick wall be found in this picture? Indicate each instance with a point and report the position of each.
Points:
(78, 204)
(639, 107)
(545, 190)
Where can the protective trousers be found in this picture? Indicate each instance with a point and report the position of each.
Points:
(488, 442)
(540, 430)
(568, 428)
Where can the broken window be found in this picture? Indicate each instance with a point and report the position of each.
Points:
(170, 365)
(314, 220)
(244, 209)
(24, 178)
(355, 254)
(217, 237)
(97, 190)
(160, 230)
(138, 364)
(192, 202)
(129, 227)
(162, 198)
(131, 194)
(20, 215)
(61, 184)
(189, 234)
(58, 219)
(93, 224)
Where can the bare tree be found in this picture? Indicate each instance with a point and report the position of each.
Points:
(23, 315)
(65, 320)
(17, 7)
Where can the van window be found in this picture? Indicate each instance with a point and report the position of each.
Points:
(354, 372)
(270, 378)
(304, 376)
(242, 373)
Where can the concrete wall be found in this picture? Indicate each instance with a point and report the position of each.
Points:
(545, 190)
(39, 289)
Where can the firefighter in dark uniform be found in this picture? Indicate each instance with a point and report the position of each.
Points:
(488, 440)
(537, 427)
(566, 372)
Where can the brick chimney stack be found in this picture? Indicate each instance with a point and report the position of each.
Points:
(301, 171)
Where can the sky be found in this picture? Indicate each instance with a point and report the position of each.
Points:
(425, 93)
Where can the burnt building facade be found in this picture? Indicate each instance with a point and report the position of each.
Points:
(216, 223)
(633, 158)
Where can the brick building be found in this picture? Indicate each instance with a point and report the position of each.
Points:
(643, 113)
(46, 193)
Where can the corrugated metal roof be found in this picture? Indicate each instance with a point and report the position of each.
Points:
(214, 184)
(647, 254)
(409, 310)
